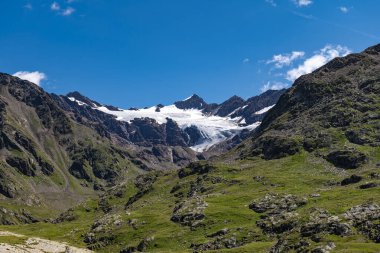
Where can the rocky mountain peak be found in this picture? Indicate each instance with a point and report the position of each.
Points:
(78, 96)
(193, 102)
(230, 105)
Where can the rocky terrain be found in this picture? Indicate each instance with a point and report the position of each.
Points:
(35, 245)
(306, 180)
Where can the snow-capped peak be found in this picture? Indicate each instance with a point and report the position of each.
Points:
(191, 112)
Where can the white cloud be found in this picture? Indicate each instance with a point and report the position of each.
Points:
(302, 3)
(55, 6)
(319, 59)
(68, 11)
(271, 2)
(62, 11)
(34, 77)
(246, 60)
(281, 60)
(273, 86)
(343, 9)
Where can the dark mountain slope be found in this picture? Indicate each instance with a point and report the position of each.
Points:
(338, 102)
(48, 159)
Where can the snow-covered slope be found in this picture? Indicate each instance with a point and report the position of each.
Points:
(213, 128)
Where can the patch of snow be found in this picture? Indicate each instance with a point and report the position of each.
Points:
(264, 110)
(78, 102)
(214, 128)
(188, 98)
(237, 109)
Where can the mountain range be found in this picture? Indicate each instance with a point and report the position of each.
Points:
(294, 170)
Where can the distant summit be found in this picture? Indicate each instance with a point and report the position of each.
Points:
(79, 97)
(193, 102)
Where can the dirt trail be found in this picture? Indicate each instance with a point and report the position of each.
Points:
(37, 245)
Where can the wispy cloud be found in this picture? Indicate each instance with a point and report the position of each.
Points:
(343, 9)
(281, 60)
(320, 58)
(271, 2)
(246, 60)
(28, 6)
(274, 86)
(302, 15)
(34, 77)
(55, 6)
(68, 11)
(302, 3)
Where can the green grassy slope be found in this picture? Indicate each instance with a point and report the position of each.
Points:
(228, 191)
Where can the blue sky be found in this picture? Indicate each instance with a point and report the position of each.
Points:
(144, 52)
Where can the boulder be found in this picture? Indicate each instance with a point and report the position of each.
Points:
(189, 212)
(277, 203)
(361, 213)
(322, 222)
(369, 185)
(347, 159)
(278, 223)
(351, 180)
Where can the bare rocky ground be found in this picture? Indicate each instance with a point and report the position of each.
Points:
(37, 245)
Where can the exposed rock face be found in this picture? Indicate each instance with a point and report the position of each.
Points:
(255, 104)
(8, 188)
(366, 219)
(351, 180)
(322, 222)
(68, 215)
(277, 223)
(276, 203)
(347, 159)
(362, 213)
(100, 233)
(194, 102)
(82, 98)
(10, 217)
(190, 212)
(78, 170)
(230, 105)
(280, 216)
(369, 185)
(23, 166)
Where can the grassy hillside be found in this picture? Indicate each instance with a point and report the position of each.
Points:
(227, 190)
